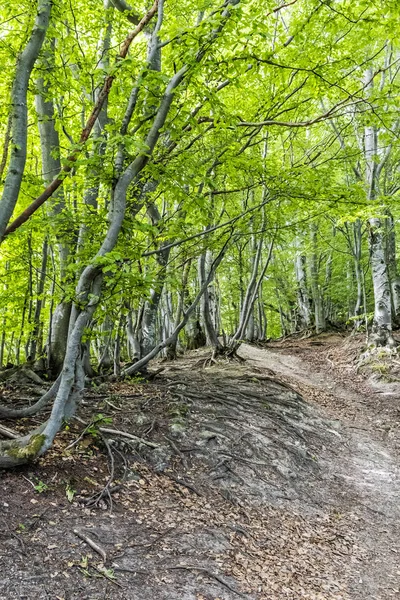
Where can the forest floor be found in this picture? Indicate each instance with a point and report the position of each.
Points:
(276, 478)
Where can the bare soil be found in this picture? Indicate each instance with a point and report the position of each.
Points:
(276, 478)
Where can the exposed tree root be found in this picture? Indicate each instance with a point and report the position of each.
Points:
(28, 411)
(224, 352)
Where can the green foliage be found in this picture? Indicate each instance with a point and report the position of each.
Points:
(40, 487)
(98, 420)
(257, 64)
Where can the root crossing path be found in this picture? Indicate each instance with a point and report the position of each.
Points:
(361, 475)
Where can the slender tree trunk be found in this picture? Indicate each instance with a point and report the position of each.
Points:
(51, 166)
(172, 347)
(303, 299)
(394, 275)
(37, 328)
(205, 308)
(382, 324)
(142, 363)
(319, 316)
(19, 127)
(2, 341)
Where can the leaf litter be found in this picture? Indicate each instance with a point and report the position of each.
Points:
(242, 492)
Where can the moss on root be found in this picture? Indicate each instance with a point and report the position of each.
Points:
(28, 451)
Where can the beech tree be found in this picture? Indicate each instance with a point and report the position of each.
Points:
(180, 174)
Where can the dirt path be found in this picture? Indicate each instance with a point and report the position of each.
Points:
(363, 478)
(275, 479)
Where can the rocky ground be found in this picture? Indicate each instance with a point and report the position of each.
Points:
(275, 478)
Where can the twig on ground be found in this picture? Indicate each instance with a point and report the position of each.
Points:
(8, 433)
(128, 436)
(14, 535)
(154, 542)
(177, 451)
(106, 576)
(185, 484)
(107, 490)
(112, 405)
(209, 574)
(91, 543)
(128, 570)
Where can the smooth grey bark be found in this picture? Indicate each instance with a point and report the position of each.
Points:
(356, 248)
(382, 323)
(303, 299)
(319, 315)
(19, 413)
(151, 307)
(253, 286)
(51, 166)
(206, 306)
(246, 305)
(19, 129)
(117, 346)
(105, 349)
(194, 334)
(172, 348)
(252, 294)
(36, 331)
(262, 317)
(133, 334)
(6, 145)
(394, 275)
(2, 341)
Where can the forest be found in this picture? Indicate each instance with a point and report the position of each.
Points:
(189, 176)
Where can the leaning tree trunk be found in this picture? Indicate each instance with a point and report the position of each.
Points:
(19, 127)
(88, 289)
(142, 363)
(251, 293)
(247, 307)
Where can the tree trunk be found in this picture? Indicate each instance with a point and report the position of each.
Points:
(303, 299)
(19, 129)
(382, 324)
(51, 166)
(205, 307)
(37, 328)
(319, 316)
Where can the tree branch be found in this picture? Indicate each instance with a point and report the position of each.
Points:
(86, 131)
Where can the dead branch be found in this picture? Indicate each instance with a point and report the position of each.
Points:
(106, 491)
(8, 433)
(185, 484)
(210, 574)
(129, 436)
(85, 538)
